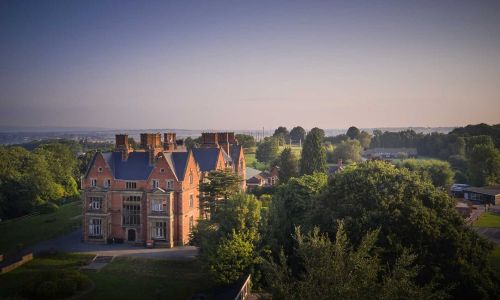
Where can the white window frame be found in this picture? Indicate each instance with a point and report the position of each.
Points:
(95, 203)
(157, 205)
(159, 232)
(99, 169)
(155, 183)
(95, 227)
(93, 182)
(170, 184)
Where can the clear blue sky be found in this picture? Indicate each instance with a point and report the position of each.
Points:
(248, 64)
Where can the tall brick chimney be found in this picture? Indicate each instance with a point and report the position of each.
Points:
(209, 140)
(151, 142)
(223, 138)
(121, 144)
(169, 141)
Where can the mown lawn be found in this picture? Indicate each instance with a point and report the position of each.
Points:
(488, 219)
(124, 278)
(12, 283)
(31, 230)
(135, 278)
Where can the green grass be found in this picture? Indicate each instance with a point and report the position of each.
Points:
(12, 283)
(488, 219)
(31, 230)
(134, 278)
(124, 278)
(252, 162)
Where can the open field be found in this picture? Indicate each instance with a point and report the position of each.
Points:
(124, 278)
(488, 219)
(252, 161)
(31, 230)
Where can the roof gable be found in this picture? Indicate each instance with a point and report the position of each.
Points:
(206, 158)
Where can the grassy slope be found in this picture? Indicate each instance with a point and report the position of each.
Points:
(134, 278)
(13, 282)
(488, 219)
(29, 231)
(124, 278)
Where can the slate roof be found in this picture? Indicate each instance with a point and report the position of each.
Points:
(136, 167)
(206, 158)
(251, 172)
(486, 190)
(235, 153)
(179, 159)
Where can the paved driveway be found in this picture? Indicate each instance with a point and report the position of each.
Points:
(72, 243)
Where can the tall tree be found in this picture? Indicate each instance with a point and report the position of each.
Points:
(282, 134)
(338, 270)
(228, 242)
(297, 134)
(267, 150)
(353, 132)
(245, 140)
(364, 139)
(288, 165)
(313, 157)
(484, 165)
(411, 213)
(217, 187)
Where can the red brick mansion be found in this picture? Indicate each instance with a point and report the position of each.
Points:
(152, 193)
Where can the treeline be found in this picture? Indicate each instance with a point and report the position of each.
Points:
(40, 175)
(373, 229)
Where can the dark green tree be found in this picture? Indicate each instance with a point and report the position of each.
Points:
(247, 141)
(484, 165)
(411, 214)
(437, 171)
(267, 150)
(297, 134)
(313, 157)
(337, 270)
(353, 132)
(282, 135)
(288, 165)
(216, 188)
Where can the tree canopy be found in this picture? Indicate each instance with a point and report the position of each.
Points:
(245, 140)
(288, 165)
(267, 150)
(313, 157)
(348, 151)
(297, 134)
(353, 132)
(411, 214)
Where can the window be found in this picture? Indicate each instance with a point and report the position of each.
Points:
(93, 182)
(95, 228)
(162, 170)
(191, 201)
(130, 185)
(191, 223)
(157, 205)
(107, 183)
(95, 202)
(160, 229)
(131, 214)
(190, 177)
(99, 169)
(156, 183)
(170, 184)
(132, 199)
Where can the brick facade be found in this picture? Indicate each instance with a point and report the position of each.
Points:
(148, 194)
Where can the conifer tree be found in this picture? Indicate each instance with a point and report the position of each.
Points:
(313, 157)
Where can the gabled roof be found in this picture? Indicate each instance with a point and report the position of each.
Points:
(251, 172)
(206, 158)
(179, 161)
(235, 152)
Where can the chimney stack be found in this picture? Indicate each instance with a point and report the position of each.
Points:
(121, 144)
(169, 141)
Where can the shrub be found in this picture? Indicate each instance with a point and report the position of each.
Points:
(56, 284)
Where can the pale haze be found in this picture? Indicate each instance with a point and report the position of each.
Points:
(248, 64)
